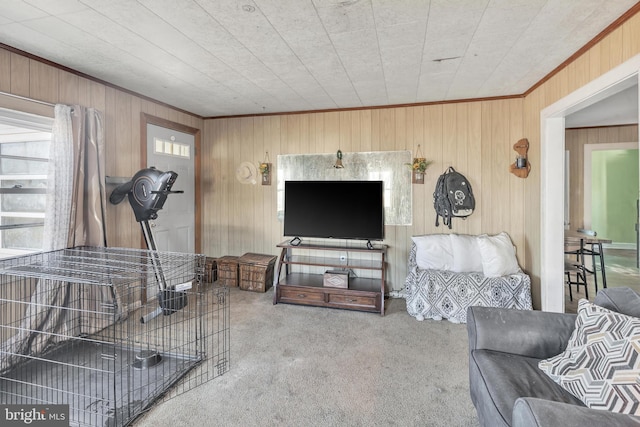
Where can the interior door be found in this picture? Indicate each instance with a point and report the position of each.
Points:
(171, 150)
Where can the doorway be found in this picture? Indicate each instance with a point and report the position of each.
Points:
(170, 150)
(166, 146)
(552, 139)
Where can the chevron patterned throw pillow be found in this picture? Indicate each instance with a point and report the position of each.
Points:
(601, 365)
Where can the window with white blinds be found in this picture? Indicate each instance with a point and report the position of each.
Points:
(24, 156)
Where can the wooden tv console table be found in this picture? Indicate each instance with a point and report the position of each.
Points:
(363, 294)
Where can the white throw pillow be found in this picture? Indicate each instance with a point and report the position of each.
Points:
(433, 252)
(498, 255)
(601, 364)
(467, 256)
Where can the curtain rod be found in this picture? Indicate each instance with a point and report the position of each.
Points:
(27, 99)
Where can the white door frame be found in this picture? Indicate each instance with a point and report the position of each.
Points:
(552, 130)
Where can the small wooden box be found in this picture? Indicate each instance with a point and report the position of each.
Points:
(336, 279)
(228, 270)
(256, 272)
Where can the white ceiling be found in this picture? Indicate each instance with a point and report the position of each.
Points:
(224, 57)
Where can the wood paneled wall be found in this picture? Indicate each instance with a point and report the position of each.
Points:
(27, 77)
(575, 141)
(476, 138)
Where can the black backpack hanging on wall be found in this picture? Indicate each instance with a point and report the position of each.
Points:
(453, 197)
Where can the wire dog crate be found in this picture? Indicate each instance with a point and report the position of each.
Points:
(108, 331)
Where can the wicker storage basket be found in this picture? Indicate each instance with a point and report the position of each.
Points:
(228, 271)
(256, 272)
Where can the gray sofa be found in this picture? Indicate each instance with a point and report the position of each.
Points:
(507, 387)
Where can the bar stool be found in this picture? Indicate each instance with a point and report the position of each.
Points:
(595, 251)
(577, 267)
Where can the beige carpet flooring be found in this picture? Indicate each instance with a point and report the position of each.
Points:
(308, 366)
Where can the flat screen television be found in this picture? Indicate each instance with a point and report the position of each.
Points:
(334, 209)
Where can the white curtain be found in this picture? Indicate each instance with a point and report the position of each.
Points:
(60, 181)
(75, 216)
(76, 195)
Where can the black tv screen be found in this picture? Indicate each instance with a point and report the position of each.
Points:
(334, 209)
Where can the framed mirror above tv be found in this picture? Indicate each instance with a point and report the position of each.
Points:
(387, 166)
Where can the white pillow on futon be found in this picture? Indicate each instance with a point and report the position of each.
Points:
(498, 255)
(467, 256)
(433, 252)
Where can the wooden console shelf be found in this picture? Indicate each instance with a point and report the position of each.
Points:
(363, 294)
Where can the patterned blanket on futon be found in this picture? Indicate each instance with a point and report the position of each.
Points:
(437, 294)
